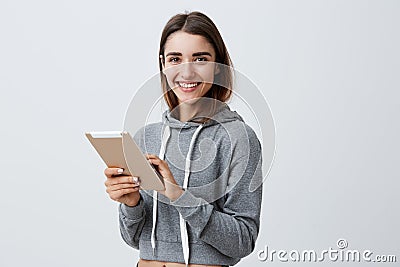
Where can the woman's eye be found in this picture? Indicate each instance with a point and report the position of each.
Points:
(201, 59)
(173, 59)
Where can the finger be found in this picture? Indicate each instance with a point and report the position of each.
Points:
(118, 180)
(117, 187)
(110, 172)
(155, 161)
(152, 156)
(122, 180)
(115, 195)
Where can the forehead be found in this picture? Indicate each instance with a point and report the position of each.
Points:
(187, 43)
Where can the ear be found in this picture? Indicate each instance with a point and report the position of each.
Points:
(162, 63)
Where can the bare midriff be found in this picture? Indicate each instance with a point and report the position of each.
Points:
(147, 263)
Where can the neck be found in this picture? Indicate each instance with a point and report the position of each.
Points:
(188, 111)
(203, 107)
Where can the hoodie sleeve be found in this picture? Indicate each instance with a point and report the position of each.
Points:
(132, 219)
(232, 230)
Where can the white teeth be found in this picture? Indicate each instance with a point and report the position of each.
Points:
(187, 85)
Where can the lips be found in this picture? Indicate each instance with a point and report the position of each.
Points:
(188, 86)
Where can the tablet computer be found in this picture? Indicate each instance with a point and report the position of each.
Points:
(119, 150)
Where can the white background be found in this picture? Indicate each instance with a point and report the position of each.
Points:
(330, 73)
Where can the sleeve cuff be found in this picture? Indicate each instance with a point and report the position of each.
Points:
(133, 213)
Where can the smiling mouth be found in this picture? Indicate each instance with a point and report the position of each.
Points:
(188, 86)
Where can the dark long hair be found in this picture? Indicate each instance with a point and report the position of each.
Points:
(199, 24)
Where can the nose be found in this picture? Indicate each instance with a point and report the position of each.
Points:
(187, 71)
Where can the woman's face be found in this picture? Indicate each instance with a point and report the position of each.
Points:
(189, 65)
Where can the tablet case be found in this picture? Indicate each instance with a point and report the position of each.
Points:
(119, 150)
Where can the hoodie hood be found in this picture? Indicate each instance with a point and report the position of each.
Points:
(222, 114)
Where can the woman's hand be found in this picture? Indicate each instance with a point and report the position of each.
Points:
(172, 189)
(122, 188)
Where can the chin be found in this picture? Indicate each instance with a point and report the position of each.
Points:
(189, 101)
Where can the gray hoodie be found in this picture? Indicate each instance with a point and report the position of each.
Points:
(216, 220)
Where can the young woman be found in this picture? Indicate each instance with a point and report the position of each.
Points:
(207, 155)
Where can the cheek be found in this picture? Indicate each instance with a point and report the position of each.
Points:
(207, 74)
(170, 76)
(170, 82)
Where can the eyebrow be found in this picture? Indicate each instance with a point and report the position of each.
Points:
(194, 54)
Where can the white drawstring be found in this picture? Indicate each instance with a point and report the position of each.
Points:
(182, 223)
(164, 141)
